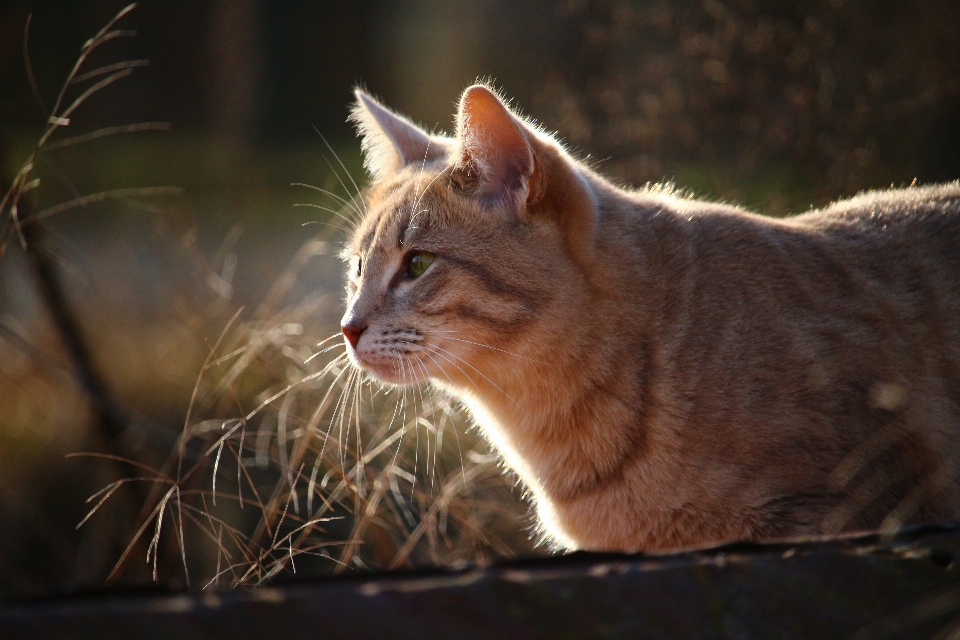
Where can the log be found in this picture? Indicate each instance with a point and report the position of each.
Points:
(862, 587)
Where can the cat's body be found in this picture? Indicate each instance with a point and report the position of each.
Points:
(663, 372)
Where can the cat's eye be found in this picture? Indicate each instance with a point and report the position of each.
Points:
(356, 265)
(418, 261)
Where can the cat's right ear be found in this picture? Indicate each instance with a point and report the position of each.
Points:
(390, 141)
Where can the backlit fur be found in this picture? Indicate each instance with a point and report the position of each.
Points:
(663, 372)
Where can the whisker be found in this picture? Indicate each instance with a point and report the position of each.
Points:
(437, 353)
(353, 223)
(416, 204)
(416, 451)
(326, 192)
(396, 409)
(339, 228)
(345, 170)
(480, 344)
(327, 349)
(313, 376)
(403, 376)
(433, 408)
(355, 408)
(341, 409)
(316, 466)
(359, 468)
(338, 417)
(339, 179)
(506, 395)
(329, 338)
(323, 351)
(463, 469)
(416, 188)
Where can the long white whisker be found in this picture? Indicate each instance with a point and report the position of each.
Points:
(403, 419)
(433, 346)
(334, 419)
(345, 170)
(431, 471)
(423, 411)
(416, 188)
(403, 407)
(339, 199)
(396, 408)
(342, 229)
(323, 447)
(329, 338)
(416, 204)
(463, 469)
(342, 406)
(353, 223)
(416, 429)
(486, 346)
(426, 384)
(323, 351)
(339, 179)
(356, 404)
(437, 353)
(333, 363)
(346, 418)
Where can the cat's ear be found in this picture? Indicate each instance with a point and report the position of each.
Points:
(494, 150)
(390, 141)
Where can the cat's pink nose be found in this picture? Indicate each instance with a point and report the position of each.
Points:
(352, 331)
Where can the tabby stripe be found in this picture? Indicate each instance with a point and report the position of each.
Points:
(427, 291)
(470, 312)
(533, 299)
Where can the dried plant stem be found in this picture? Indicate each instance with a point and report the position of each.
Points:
(17, 214)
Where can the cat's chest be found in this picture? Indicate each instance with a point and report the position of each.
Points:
(510, 432)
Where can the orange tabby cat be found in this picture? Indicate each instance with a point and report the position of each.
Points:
(663, 372)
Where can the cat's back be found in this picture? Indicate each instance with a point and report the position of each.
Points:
(867, 290)
(798, 340)
(891, 236)
(901, 248)
(924, 219)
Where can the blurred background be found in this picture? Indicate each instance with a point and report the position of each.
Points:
(195, 237)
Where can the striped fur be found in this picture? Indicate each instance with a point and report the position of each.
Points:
(663, 372)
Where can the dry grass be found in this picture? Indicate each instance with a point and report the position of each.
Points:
(288, 461)
(289, 455)
(58, 116)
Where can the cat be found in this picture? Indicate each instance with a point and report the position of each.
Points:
(661, 372)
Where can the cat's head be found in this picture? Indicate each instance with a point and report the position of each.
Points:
(465, 244)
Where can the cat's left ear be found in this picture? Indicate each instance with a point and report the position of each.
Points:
(390, 141)
(495, 153)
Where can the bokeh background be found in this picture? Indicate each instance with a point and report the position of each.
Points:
(775, 105)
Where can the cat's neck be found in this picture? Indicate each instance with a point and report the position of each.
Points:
(556, 410)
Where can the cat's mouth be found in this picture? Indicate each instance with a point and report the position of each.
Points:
(394, 370)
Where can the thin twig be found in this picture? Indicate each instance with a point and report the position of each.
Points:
(112, 194)
(29, 65)
(108, 131)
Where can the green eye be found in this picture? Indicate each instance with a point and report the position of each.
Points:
(418, 262)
